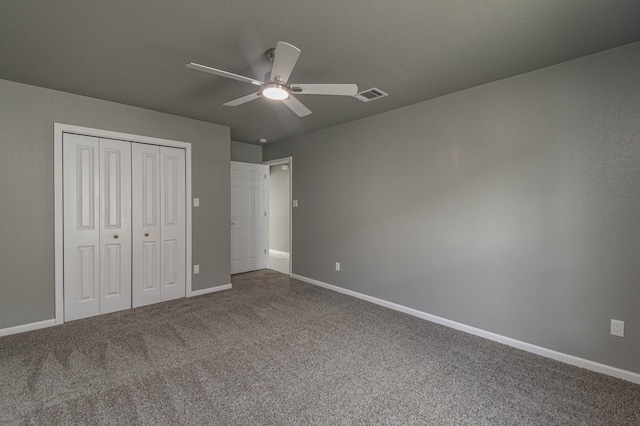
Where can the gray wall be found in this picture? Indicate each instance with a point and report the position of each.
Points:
(246, 152)
(279, 208)
(27, 114)
(513, 207)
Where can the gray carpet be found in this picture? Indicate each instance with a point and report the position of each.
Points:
(274, 351)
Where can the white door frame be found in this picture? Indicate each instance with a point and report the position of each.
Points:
(58, 130)
(289, 161)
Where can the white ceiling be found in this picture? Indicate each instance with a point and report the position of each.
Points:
(134, 51)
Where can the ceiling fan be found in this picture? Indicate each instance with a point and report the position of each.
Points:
(283, 57)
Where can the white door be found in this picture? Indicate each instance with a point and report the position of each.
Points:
(247, 217)
(124, 225)
(145, 201)
(97, 226)
(81, 177)
(159, 223)
(115, 225)
(173, 223)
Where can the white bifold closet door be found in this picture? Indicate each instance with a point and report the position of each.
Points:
(158, 204)
(124, 225)
(97, 226)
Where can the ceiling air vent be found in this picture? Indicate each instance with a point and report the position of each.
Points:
(370, 95)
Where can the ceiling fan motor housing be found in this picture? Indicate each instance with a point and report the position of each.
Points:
(270, 54)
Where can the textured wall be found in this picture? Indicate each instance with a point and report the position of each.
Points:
(513, 207)
(279, 208)
(246, 152)
(27, 114)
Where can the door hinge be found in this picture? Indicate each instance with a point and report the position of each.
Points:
(265, 251)
(265, 214)
(265, 176)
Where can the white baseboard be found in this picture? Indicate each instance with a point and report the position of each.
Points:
(27, 327)
(528, 347)
(51, 322)
(279, 253)
(210, 290)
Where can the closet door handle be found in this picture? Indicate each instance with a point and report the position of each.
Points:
(115, 236)
(146, 234)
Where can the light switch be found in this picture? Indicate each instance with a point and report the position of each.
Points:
(196, 202)
(295, 203)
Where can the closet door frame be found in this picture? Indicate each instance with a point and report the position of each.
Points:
(59, 129)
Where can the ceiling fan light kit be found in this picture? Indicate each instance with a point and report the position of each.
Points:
(275, 91)
(283, 59)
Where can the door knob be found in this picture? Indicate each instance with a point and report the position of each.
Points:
(115, 236)
(146, 234)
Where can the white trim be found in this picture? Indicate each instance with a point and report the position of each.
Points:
(58, 130)
(189, 212)
(195, 293)
(267, 219)
(27, 327)
(279, 253)
(528, 347)
(289, 161)
(59, 221)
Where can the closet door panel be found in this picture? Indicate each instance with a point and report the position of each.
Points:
(81, 226)
(173, 254)
(115, 225)
(146, 223)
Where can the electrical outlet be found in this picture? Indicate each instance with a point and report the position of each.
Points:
(196, 269)
(295, 203)
(337, 266)
(196, 202)
(617, 328)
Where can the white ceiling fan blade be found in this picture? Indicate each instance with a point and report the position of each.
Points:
(285, 59)
(296, 106)
(244, 99)
(222, 73)
(325, 89)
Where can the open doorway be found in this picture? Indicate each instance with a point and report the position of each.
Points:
(278, 204)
